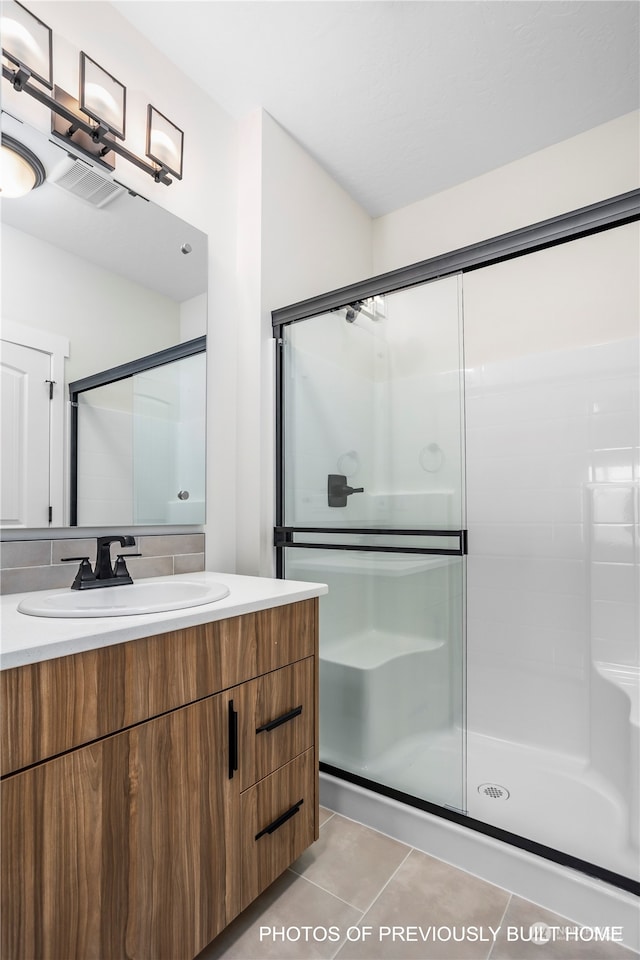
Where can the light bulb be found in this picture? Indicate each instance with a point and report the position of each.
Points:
(100, 102)
(20, 42)
(164, 149)
(17, 175)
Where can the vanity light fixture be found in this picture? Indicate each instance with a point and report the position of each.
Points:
(20, 169)
(27, 42)
(95, 123)
(102, 97)
(165, 142)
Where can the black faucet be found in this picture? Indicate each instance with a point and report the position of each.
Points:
(105, 574)
(104, 569)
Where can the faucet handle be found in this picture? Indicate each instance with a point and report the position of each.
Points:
(120, 571)
(84, 574)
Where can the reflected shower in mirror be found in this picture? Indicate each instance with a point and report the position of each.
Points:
(138, 441)
(94, 276)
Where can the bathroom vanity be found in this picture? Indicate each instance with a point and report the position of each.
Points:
(158, 776)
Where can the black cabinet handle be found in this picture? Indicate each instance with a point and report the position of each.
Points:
(268, 727)
(281, 819)
(233, 740)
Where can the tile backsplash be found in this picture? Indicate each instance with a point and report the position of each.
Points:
(40, 564)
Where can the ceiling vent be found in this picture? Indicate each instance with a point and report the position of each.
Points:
(87, 184)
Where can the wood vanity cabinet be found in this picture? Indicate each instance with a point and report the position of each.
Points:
(154, 788)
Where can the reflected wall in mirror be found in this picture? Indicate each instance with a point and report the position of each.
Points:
(93, 276)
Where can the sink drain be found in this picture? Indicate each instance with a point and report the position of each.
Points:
(494, 790)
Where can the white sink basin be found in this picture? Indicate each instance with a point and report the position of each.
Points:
(125, 601)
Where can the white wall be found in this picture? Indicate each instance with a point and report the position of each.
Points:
(299, 235)
(315, 236)
(108, 319)
(193, 317)
(600, 163)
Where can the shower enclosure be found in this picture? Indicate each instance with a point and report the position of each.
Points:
(491, 679)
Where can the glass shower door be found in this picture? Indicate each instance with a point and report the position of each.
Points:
(372, 505)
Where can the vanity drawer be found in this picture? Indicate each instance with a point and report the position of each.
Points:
(277, 818)
(276, 715)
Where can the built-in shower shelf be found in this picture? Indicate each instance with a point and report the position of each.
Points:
(370, 649)
(380, 564)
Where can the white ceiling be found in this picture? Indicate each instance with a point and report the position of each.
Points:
(399, 99)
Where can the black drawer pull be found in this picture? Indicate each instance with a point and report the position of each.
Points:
(233, 740)
(279, 720)
(281, 819)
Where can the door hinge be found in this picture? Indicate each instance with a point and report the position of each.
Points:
(50, 514)
(51, 383)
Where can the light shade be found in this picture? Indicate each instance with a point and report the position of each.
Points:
(102, 97)
(27, 41)
(20, 169)
(164, 142)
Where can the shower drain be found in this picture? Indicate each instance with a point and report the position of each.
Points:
(494, 791)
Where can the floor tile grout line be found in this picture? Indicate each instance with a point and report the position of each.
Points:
(320, 887)
(504, 913)
(342, 942)
(332, 814)
(301, 876)
(388, 881)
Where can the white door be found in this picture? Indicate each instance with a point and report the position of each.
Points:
(25, 457)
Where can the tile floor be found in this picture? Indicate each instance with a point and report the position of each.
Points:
(354, 885)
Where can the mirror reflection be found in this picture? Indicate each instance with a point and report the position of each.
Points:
(138, 443)
(95, 277)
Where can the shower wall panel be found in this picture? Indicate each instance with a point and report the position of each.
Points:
(553, 444)
(552, 409)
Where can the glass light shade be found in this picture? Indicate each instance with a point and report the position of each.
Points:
(164, 142)
(26, 41)
(20, 170)
(102, 97)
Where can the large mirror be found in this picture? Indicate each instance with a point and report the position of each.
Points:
(97, 279)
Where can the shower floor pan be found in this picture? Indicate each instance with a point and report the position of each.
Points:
(554, 799)
(428, 766)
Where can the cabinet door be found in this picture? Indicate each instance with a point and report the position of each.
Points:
(180, 832)
(52, 835)
(120, 849)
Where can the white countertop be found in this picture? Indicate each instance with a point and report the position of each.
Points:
(26, 639)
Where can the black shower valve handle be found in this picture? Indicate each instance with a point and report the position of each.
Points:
(338, 490)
